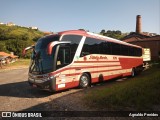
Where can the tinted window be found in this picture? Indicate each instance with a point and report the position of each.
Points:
(97, 46)
(63, 57)
(91, 46)
(105, 47)
(75, 40)
(139, 52)
(132, 51)
(44, 41)
(124, 50)
(116, 48)
(41, 62)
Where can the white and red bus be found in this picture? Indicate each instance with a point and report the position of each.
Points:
(78, 58)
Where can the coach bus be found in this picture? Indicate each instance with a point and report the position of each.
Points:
(78, 58)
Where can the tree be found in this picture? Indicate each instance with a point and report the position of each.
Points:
(102, 32)
(15, 38)
(118, 32)
(17, 46)
(2, 46)
(112, 33)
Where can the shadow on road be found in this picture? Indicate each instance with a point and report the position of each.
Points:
(67, 101)
(70, 100)
(22, 89)
(73, 101)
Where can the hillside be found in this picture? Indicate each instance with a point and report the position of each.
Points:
(16, 38)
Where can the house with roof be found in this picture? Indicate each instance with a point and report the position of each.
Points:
(10, 24)
(7, 58)
(1, 23)
(144, 40)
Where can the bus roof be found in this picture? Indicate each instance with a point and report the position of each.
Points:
(93, 35)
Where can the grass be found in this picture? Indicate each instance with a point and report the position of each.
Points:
(20, 63)
(139, 93)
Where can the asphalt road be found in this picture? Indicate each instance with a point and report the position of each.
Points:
(17, 95)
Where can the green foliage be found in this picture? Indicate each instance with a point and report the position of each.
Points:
(135, 94)
(2, 46)
(20, 62)
(17, 46)
(113, 34)
(16, 38)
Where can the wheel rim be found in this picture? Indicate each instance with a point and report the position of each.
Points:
(84, 81)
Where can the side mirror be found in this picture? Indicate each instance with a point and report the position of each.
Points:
(26, 49)
(55, 43)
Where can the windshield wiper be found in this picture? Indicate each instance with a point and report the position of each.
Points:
(36, 63)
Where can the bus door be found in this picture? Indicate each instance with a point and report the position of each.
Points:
(62, 65)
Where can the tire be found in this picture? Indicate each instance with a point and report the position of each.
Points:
(101, 79)
(133, 72)
(84, 80)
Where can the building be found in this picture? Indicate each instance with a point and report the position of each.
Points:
(8, 58)
(10, 24)
(34, 28)
(1, 23)
(144, 39)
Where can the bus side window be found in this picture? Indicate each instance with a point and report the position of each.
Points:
(91, 46)
(105, 47)
(63, 57)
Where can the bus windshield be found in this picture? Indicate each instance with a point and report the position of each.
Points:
(41, 62)
(61, 55)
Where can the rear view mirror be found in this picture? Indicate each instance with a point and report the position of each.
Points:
(26, 49)
(55, 43)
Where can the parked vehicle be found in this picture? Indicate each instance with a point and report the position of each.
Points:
(78, 58)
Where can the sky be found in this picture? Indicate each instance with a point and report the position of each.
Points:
(92, 15)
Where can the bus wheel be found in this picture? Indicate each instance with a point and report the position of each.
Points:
(133, 72)
(84, 81)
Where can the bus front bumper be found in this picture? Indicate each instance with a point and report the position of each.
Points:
(49, 84)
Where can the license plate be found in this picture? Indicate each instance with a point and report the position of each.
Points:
(34, 85)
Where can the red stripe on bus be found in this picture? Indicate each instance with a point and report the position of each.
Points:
(72, 68)
(105, 70)
(72, 74)
(96, 66)
(130, 63)
(93, 61)
(93, 80)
